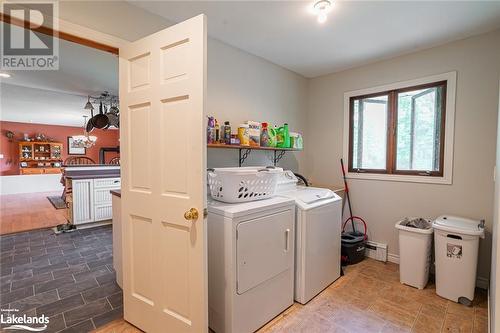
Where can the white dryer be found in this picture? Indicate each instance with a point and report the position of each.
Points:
(318, 243)
(250, 263)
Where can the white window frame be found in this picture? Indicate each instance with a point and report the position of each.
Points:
(447, 178)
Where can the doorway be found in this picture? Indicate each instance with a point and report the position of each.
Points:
(43, 112)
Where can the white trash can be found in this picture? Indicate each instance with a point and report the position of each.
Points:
(456, 249)
(415, 249)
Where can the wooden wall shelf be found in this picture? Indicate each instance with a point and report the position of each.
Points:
(244, 151)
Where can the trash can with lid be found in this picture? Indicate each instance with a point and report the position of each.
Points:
(456, 250)
(415, 249)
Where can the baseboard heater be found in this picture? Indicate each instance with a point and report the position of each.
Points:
(377, 251)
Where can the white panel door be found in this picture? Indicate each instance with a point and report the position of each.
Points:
(162, 97)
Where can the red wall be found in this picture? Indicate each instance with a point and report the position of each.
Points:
(9, 165)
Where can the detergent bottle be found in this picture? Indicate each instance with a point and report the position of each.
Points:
(264, 136)
(211, 130)
(283, 137)
(271, 132)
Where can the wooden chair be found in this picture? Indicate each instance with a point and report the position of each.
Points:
(79, 160)
(115, 161)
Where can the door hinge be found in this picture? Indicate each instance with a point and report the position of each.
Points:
(236, 234)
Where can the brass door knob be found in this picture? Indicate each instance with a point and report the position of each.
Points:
(191, 214)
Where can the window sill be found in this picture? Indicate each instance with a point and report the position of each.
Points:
(445, 180)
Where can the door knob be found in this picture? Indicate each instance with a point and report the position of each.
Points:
(191, 214)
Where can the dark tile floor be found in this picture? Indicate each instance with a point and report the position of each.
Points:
(68, 277)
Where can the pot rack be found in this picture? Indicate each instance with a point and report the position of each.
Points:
(244, 151)
(105, 98)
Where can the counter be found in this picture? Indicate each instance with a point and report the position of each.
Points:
(74, 173)
(88, 194)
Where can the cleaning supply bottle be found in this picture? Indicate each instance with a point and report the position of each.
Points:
(264, 136)
(227, 133)
(211, 130)
(271, 132)
(217, 132)
(283, 137)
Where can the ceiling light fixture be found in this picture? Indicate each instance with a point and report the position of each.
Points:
(89, 105)
(322, 8)
(5, 75)
(85, 140)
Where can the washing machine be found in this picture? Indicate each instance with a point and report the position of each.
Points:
(250, 263)
(317, 242)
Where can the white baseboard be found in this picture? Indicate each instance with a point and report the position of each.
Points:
(481, 282)
(394, 258)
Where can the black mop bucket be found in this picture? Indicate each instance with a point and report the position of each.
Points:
(353, 248)
(353, 244)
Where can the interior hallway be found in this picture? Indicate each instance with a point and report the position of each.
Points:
(29, 211)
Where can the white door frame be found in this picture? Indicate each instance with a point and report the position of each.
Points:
(494, 290)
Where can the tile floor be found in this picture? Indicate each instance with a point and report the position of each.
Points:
(29, 211)
(370, 299)
(68, 277)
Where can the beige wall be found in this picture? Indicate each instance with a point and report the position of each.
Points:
(241, 86)
(383, 203)
(245, 87)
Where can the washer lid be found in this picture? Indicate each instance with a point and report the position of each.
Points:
(311, 195)
(458, 225)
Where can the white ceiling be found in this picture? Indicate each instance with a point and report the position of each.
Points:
(58, 97)
(40, 106)
(356, 32)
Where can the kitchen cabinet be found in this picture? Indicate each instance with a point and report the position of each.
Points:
(91, 199)
(39, 171)
(40, 157)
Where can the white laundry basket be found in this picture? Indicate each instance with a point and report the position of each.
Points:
(415, 249)
(456, 249)
(243, 184)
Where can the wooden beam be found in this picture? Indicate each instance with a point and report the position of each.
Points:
(59, 34)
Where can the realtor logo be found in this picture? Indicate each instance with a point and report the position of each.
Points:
(10, 320)
(28, 42)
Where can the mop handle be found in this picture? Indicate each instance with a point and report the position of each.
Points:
(347, 194)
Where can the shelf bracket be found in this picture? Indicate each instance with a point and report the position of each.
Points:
(243, 155)
(278, 155)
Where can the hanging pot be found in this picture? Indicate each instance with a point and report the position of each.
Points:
(100, 120)
(113, 109)
(114, 120)
(90, 126)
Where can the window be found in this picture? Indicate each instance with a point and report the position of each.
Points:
(398, 132)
